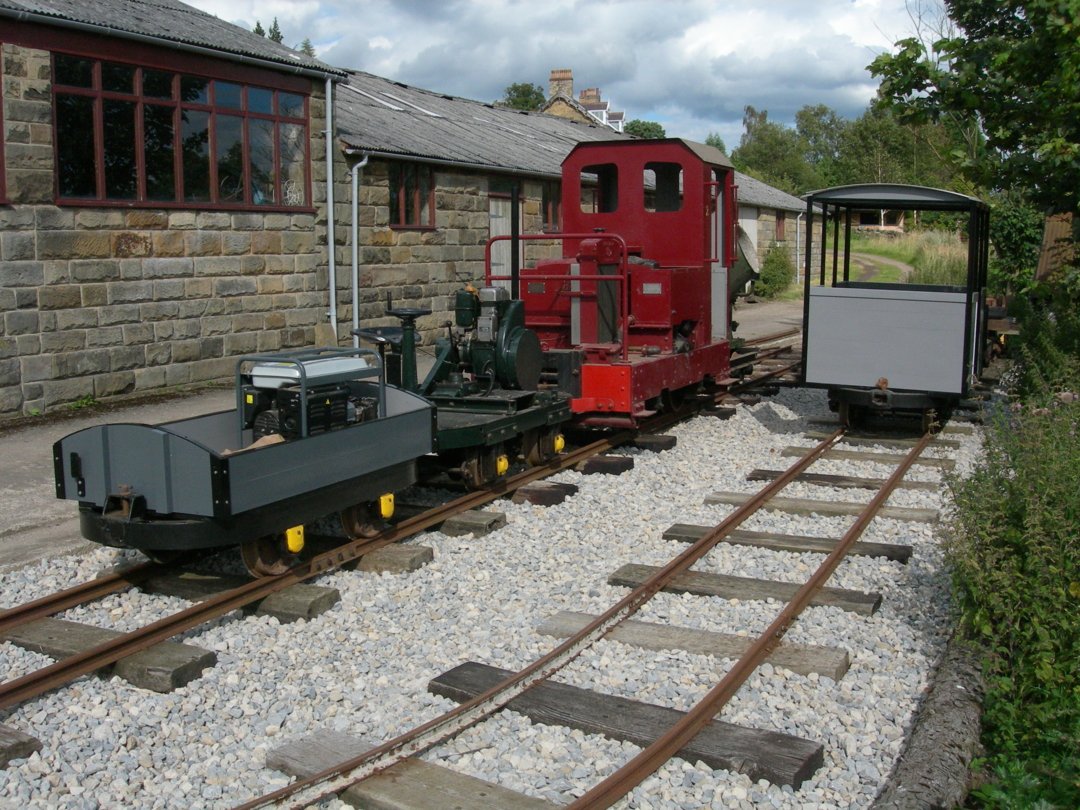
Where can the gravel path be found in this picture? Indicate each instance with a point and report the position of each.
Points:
(363, 667)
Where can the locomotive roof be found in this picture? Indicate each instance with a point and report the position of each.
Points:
(894, 195)
(170, 22)
(706, 153)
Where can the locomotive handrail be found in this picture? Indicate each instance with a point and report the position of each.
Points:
(621, 279)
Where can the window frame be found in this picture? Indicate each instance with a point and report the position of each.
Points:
(402, 182)
(781, 225)
(551, 206)
(182, 68)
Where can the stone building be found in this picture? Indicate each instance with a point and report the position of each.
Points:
(768, 217)
(162, 198)
(587, 107)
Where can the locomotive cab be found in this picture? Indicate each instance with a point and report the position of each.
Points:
(639, 305)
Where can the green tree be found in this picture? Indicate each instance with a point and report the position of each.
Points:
(274, 33)
(1012, 67)
(307, 48)
(258, 29)
(644, 129)
(523, 96)
(774, 154)
(822, 132)
(714, 139)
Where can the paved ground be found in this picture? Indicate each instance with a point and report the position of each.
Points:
(35, 524)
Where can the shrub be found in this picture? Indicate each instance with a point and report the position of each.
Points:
(1014, 547)
(777, 273)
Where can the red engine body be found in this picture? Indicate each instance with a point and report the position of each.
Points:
(638, 306)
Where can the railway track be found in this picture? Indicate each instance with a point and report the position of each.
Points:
(667, 744)
(210, 683)
(117, 648)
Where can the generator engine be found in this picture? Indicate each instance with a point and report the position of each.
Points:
(275, 403)
(493, 342)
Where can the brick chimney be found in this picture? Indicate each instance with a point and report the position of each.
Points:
(590, 95)
(561, 82)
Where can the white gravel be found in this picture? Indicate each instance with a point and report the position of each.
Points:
(364, 666)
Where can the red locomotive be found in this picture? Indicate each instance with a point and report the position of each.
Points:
(636, 314)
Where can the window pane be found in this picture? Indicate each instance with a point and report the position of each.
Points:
(227, 94)
(261, 152)
(74, 71)
(194, 90)
(157, 84)
(117, 79)
(293, 157)
(662, 184)
(120, 169)
(75, 150)
(229, 132)
(195, 142)
(260, 100)
(290, 105)
(600, 188)
(158, 155)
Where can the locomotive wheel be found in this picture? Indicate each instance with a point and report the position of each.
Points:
(267, 556)
(362, 520)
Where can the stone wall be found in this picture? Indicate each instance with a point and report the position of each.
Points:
(101, 301)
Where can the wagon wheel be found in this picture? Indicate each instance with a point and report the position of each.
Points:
(362, 520)
(267, 556)
(481, 466)
(930, 422)
(850, 415)
(539, 445)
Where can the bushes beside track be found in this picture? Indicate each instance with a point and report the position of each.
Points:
(1014, 547)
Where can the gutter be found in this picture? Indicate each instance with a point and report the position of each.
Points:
(331, 244)
(453, 164)
(201, 50)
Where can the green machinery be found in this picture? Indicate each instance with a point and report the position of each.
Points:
(484, 384)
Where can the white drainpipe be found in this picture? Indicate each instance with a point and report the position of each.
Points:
(798, 263)
(355, 171)
(331, 246)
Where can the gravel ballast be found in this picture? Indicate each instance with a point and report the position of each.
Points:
(363, 667)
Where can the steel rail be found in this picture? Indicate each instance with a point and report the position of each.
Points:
(630, 775)
(338, 777)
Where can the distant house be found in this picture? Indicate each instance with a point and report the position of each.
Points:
(561, 102)
(162, 203)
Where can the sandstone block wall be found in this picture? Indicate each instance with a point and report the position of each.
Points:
(96, 302)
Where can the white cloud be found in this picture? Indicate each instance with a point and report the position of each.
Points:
(693, 65)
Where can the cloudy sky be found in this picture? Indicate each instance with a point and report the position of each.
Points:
(692, 65)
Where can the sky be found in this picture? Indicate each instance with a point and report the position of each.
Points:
(691, 65)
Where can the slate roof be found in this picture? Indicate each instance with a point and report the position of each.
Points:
(754, 192)
(168, 20)
(394, 119)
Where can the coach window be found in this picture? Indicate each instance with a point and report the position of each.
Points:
(600, 188)
(412, 196)
(662, 184)
(127, 133)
